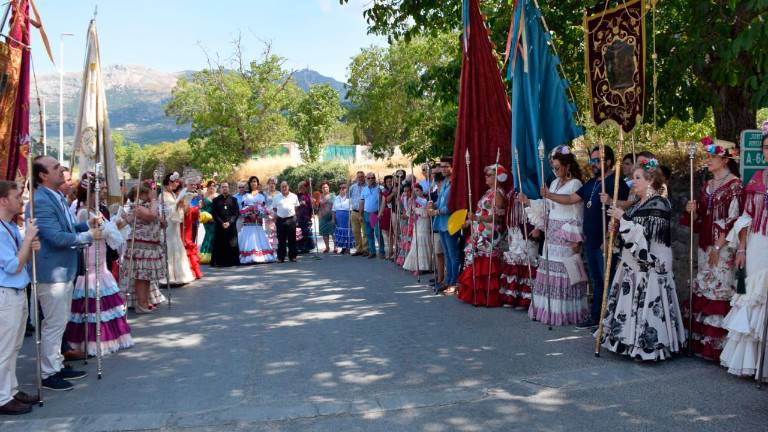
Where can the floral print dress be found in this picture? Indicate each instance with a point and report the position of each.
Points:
(643, 318)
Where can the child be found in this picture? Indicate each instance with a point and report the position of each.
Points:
(15, 252)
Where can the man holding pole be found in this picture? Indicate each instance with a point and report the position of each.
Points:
(60, 236)
(15, 252)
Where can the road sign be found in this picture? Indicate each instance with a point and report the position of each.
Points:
(751, 159)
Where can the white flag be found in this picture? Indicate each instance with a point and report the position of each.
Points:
(92, 136)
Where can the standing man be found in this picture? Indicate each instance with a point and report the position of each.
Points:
(369, 206)
(60, 236)
(15, 252)
(450, 243)
(358, 228)
(225, 211)
(284, 205)
(589, 194)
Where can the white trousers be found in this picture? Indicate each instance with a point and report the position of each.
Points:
(55, 300)
(13, 319)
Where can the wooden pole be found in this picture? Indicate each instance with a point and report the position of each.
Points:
(525, 225)
(691, 156)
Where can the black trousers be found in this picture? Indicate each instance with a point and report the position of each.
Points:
(286, 233)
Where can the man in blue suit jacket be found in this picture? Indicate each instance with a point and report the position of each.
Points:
(60, 236)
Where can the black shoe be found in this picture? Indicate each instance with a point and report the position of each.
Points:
(71, 374)
(293, 260)
(56, 383)
(586, 324)
(372, 256)
(281, 261)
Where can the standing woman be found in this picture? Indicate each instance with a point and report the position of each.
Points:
(143, 264)
(269, 221)
(178, 263)
(304, 243)
(115, 332)
(342, 236)
(419, 257)
(479, 282)
(325, 214)
(206, 218)
(385, 216)
(406, 223)
(516, 280)
(561, 282)
(643, 319)
(716, 211)
(746, 320)
(252, 239)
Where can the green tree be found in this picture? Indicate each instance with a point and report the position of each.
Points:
(402, 97)
(712, 54)
(234, 112)
(313, 118)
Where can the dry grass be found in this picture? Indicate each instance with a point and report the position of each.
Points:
(273, 166)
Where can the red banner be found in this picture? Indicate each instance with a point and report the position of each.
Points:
(10, 62)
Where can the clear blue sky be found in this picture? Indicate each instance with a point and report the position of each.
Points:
(166, 34)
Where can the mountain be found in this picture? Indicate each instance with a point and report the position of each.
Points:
(136, 97)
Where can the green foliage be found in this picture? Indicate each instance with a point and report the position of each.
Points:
(234, 112)
(406, 95)
(712, 54)
(174, 156)
(332, 172)
(313, 118)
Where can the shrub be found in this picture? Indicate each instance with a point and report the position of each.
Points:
(333, 172)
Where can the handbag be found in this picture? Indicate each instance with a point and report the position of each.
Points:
(741, 281)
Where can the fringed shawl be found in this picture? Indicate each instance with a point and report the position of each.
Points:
(755, 204)
(655, 216)
(715, 207)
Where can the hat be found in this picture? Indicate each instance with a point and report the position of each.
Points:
(501, 172)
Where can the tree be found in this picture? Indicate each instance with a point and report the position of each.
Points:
(712, 53)
(313, 118)
(399, 96)
(234, 111)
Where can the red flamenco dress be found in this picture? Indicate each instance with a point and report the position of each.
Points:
(190, 216)
(717, 210)
(520, 259)
(483, 257)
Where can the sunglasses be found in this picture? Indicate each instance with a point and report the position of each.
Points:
(594, 161)
(371, 178)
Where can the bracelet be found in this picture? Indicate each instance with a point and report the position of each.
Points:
(741, 251)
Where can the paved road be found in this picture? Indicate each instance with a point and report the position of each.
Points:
(350, 344)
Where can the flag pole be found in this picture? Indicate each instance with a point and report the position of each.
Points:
(608, 256)
(97, 250)
(471, 235)
(546, 234)
(33, 284)
(525, 226)
(691, 157)
(493, 226)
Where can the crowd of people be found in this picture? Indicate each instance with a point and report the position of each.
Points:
(537, 255)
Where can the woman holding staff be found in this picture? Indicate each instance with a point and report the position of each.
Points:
(479, 282)
(560, 290)
(642, 319)
(715, 213)
(745, 345)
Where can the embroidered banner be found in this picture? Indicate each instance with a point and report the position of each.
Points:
(615, 64)
(10, 62)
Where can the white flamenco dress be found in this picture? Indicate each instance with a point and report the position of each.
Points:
(252, 240)
(178, 263)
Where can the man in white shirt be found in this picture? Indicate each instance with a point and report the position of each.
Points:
(356, 217)
(284, 205)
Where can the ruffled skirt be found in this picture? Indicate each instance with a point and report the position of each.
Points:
(479, 282)
(342, 234)
(254, 245)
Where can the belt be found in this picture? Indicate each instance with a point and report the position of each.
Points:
(18, 290)
(356, 211)
(284, 218)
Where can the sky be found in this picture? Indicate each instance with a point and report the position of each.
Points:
(167, 35)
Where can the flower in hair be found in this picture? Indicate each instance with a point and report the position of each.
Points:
(561, 149)
(174, 176)
(765, 127)
(707, 140)
(650, 165)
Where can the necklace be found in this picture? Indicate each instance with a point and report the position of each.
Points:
(717, 183)
(594, 188)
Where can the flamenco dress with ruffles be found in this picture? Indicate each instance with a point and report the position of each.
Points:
(115, 333)
(713, 286)
(479, 283)
(407, 219)
(520, 258)
(252, 240)
(191, 215)
(746, 320)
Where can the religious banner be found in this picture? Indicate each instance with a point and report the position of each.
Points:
(10, 62)
(615, 64)
(93, 141)
(15, 167)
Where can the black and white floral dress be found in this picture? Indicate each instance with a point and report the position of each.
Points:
(643, 317)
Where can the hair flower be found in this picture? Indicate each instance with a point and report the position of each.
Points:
(650, 165)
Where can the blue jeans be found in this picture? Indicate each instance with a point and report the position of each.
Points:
(451, 252)
(595, 270)
(373, 233)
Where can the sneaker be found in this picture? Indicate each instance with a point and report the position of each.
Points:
(586, 324)
(71, 374)
(15, 407)
(56, 383)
